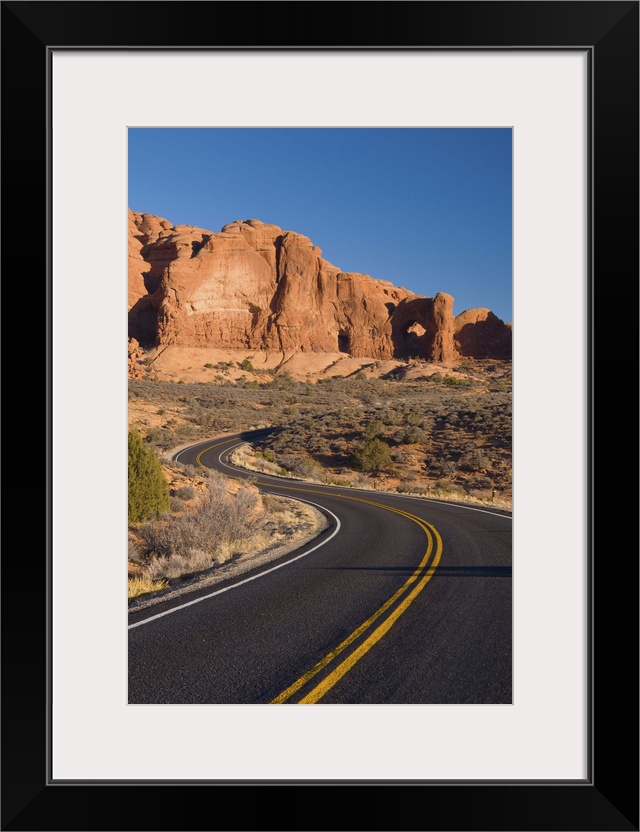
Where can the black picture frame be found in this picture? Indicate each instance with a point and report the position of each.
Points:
(608, 798)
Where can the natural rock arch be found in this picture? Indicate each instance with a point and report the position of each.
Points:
(344, 341)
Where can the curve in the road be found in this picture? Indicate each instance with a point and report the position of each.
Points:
(422, 574)
(314, 683)
(245, 580)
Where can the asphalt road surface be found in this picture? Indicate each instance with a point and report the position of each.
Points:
(401, 600)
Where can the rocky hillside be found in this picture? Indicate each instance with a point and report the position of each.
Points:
(255, 286)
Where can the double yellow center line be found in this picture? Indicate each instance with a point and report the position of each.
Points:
(412, 587)
(408, 592)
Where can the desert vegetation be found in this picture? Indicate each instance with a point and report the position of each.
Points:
(444, 433)
(211, 522)
(191, 539)
(148, 492)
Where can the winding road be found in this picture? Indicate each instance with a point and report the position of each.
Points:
(400, 600)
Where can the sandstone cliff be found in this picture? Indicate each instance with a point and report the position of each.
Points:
(255, 286)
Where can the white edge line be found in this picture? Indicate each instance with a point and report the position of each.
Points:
(455, 505)
(246, 580)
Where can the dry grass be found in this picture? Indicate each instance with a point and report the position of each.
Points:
(245, 457)
(177, 566)
(230, 550)
(143, 585)
(230, 529)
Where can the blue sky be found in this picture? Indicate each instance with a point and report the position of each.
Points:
(428, 209)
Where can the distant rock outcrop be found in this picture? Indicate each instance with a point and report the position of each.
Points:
(255, 286)
(480, 334)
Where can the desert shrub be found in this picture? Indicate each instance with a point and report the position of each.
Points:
(177, 566)
(338, 446)
(203, 417)
(454, 381)
(337, 481)
(306, 468)
(449, 488)
(475, 461)
(148, 490)
(283, 380)
(219, 519)
(185, 492)
(374, 429)
(162, 438)
(362, 480)
(163, 537)
(287, 460)
(175, 505)
(135, 553)
(390, 418)
(413, 488)
(372, 455)
(186, 468)
(403, 457)
(413, 436)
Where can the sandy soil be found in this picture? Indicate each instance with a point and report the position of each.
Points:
(188, 364)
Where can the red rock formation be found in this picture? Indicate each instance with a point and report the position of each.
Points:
(255, 286)
(423, 327)
(135, 357)
(480, 334)
(146, 266)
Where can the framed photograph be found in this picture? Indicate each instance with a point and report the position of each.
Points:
(369, 400)
(563, 79)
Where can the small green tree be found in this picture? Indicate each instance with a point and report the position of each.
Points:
(372, 455)
(247, 365)
(148, 489)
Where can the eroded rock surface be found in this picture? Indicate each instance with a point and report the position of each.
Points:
(254, 286)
